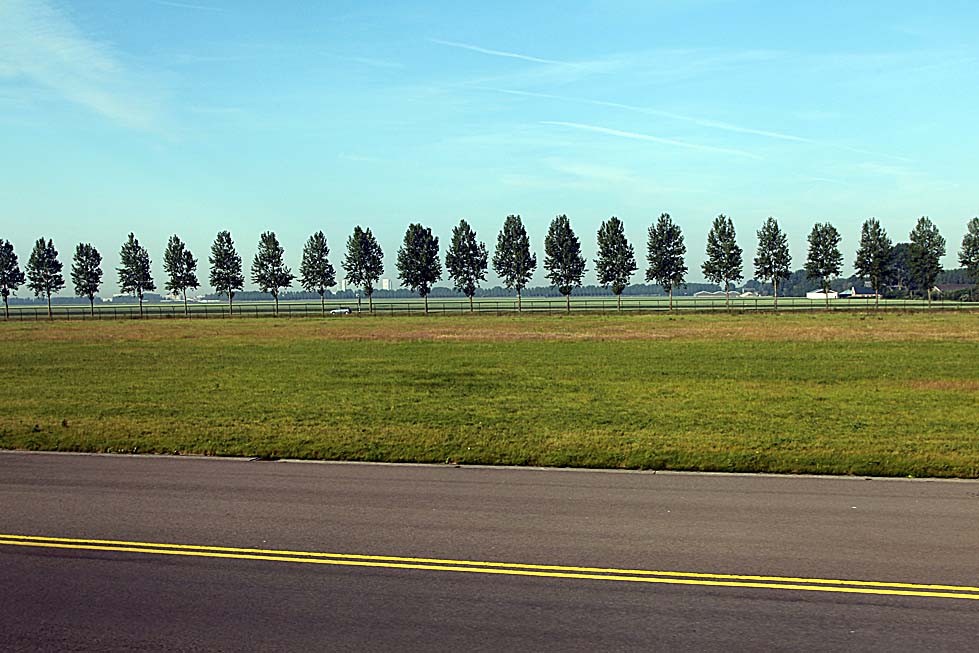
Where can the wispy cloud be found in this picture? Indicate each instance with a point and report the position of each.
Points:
(39, 43)
(366, 61)
(501, 53)
(652, 139)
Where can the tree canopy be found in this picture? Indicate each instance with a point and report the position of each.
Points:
(513, 261)
(269, 271)
(86, 272)
(135, 274)
(418, 262)
(875, 256)
(563, 261)
(969, 254)
(363, 262)
(466, 260)
(925, 254)
(181, 268)
(316, 273)
(616, 261)
(773, 262)
(44, 270)
(226, 276)
(824, 260)
(723, 264)
(664, 253)
(11, 276)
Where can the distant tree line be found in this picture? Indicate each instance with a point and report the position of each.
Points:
(912, 267)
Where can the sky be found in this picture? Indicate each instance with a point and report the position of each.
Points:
(193, 116)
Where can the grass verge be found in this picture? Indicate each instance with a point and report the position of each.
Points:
(812, 393)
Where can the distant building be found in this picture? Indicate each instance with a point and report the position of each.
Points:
(385, 284)
(819, 294)
(858, 293)
(343, 285)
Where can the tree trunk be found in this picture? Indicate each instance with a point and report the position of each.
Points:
(186, 309)
(727, 295)
(671, 298)
(6, 309)
(568, 301)
(826, 294)
(775, 286)
(471, 309)
(877, 296)
(618, 302)
(275, 296)
(323, 304)
(141, 306)
(518, 300)
(231, 299)
(370, 302)
(929, 296)
(50, 316)
(91, 303)
(358, 303)
(426, 304)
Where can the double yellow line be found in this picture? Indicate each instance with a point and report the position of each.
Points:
(501, 568)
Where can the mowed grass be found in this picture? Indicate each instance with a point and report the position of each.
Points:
(896, 394)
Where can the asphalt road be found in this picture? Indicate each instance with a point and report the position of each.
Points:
(587, 542)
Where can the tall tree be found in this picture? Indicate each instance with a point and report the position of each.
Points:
(875, 256)
(135, 275)
(969, 254)
(418, 260)
(901, 267)
(773, 262)
(269, 271)
(466, 261)
(664, 252)
(11, 277)
(44, 271)
(723, 262)
(616, 262)
(316, 273)
(513, 261)
(824, 260)
(181, 268)
(226, 276)
(926, 252)
(363, 263)
(562, 257)
(86, 273)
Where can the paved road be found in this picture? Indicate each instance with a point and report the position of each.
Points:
(140, 592)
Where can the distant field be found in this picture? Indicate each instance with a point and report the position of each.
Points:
(841, 393)
(491, 305)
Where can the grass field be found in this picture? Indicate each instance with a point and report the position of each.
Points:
(841, 393)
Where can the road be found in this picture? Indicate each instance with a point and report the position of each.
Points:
(305, 556)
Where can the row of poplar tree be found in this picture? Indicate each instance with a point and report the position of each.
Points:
(467, 260)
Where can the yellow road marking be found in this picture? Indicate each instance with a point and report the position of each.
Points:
(502, 568)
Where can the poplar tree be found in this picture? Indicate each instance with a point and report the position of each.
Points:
(11, 277)
(86, 273)
(616, 262)
(664, 253)
(772, 260)
(723, 262)
(316, 273)
(875, 256)
(824, 259)
(44, 271)
(418, 260)
(466, 261)
(513, 261)
(363, 263)
(181, 268)
(135, 275)
(269, 271)
(926, 251)
(969, 254)
(562, 257)
(225, 276)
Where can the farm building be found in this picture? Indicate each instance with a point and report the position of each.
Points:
(819, 294)
(862, 292)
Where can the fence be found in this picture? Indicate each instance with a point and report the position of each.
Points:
(500, 306)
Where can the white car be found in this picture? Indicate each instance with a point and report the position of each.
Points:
(343, 310)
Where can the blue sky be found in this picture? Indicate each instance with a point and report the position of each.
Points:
(192, 116)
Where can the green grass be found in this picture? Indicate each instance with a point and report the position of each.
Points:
(811, 393)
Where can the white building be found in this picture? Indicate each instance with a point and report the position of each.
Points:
(819, 294)
(385, 284)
